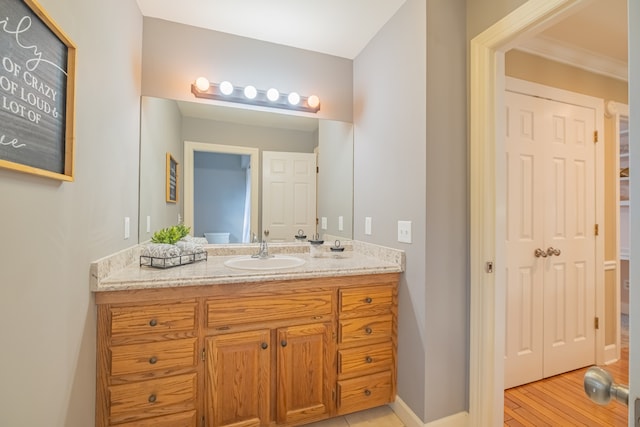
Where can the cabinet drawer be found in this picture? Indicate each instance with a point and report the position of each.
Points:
(184, 419)
(364, 392)
(366, 299)
(137, 358)
(152, 319)
(370, 358)
(151, 398)
(265, 308)
(361, 328)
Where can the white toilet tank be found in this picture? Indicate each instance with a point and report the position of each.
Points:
(217, 237)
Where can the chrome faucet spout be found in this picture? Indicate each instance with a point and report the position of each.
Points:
(264, 248)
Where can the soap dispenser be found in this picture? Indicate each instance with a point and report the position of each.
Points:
(316, 246)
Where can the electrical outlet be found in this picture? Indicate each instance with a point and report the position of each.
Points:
(340, 223)
(324, 222)
(404, 231)
(127, 227)
(367, 225)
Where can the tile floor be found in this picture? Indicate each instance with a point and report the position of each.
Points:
(381, 416)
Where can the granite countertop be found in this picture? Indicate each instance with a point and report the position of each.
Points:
(122, 271)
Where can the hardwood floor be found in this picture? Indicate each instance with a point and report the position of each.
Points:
(561, 401)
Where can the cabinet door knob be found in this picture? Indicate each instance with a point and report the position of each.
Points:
(367, 392)
(283, 343)
(369, 359)
(152, 398)
(264, 345)
(368, 330)
(153, 322)
(153, 360)
(368, 300)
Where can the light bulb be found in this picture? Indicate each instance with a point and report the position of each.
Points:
(226, 88)
(250, 92)
(313, 101)
(273, 95)
(202, 84)
(293, 98)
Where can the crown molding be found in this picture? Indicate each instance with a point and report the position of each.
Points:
(575, 56)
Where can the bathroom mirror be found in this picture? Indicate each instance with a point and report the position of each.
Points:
(166, 125)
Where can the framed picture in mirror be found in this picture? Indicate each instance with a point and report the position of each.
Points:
(172, 179)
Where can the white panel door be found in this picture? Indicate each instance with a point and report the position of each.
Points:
(288, 194)
(550, 208)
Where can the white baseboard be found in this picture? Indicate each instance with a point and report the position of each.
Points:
(410, 419)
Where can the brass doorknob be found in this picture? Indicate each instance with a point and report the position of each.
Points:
(552, 251)
(540, 253)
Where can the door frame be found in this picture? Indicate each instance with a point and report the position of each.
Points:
(488, 201)
(190, 147)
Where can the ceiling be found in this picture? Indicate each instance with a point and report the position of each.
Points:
(335, 27)
(594, 37)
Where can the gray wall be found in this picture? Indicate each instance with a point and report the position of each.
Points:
(335, 177)
(51, 231)
(155, 142)
(390, 176)
(265, 138)
(174, 55)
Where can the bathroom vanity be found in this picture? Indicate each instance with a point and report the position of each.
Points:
(206, 345)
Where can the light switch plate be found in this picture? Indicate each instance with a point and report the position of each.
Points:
(127, 227)
(404, 231)
(367, 225)
(324, 222)
(340, 223)
(148, 223)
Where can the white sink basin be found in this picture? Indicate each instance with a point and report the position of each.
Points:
(272, 263)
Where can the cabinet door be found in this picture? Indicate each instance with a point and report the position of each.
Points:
(237, 379)
(304, 358)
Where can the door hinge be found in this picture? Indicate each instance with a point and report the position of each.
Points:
(202, 354)
(596, 230)
(317, 169)
(488, 267)
(595, 136)
(202, 421)
(596, 323)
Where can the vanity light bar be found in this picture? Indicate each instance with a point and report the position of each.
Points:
(225, 91)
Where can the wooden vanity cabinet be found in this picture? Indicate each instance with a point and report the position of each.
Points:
(257, 354)
(147, 364)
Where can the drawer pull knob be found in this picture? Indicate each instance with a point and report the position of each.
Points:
(369, 359)
(153, 322)
(153, 360)
(283, 343)
(368, 300)
(368, 330)
(152, 398)
(367, 392)
(264, 345)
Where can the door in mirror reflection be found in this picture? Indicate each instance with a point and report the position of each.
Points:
(288, 194)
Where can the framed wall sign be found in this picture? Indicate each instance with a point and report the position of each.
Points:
(172, 179)
(37, 92)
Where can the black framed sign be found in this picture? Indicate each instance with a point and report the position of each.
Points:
(37, 92)
(172, 179)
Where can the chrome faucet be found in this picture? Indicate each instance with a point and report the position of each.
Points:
(264, 249)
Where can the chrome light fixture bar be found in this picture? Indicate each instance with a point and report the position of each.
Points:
(225, 91)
